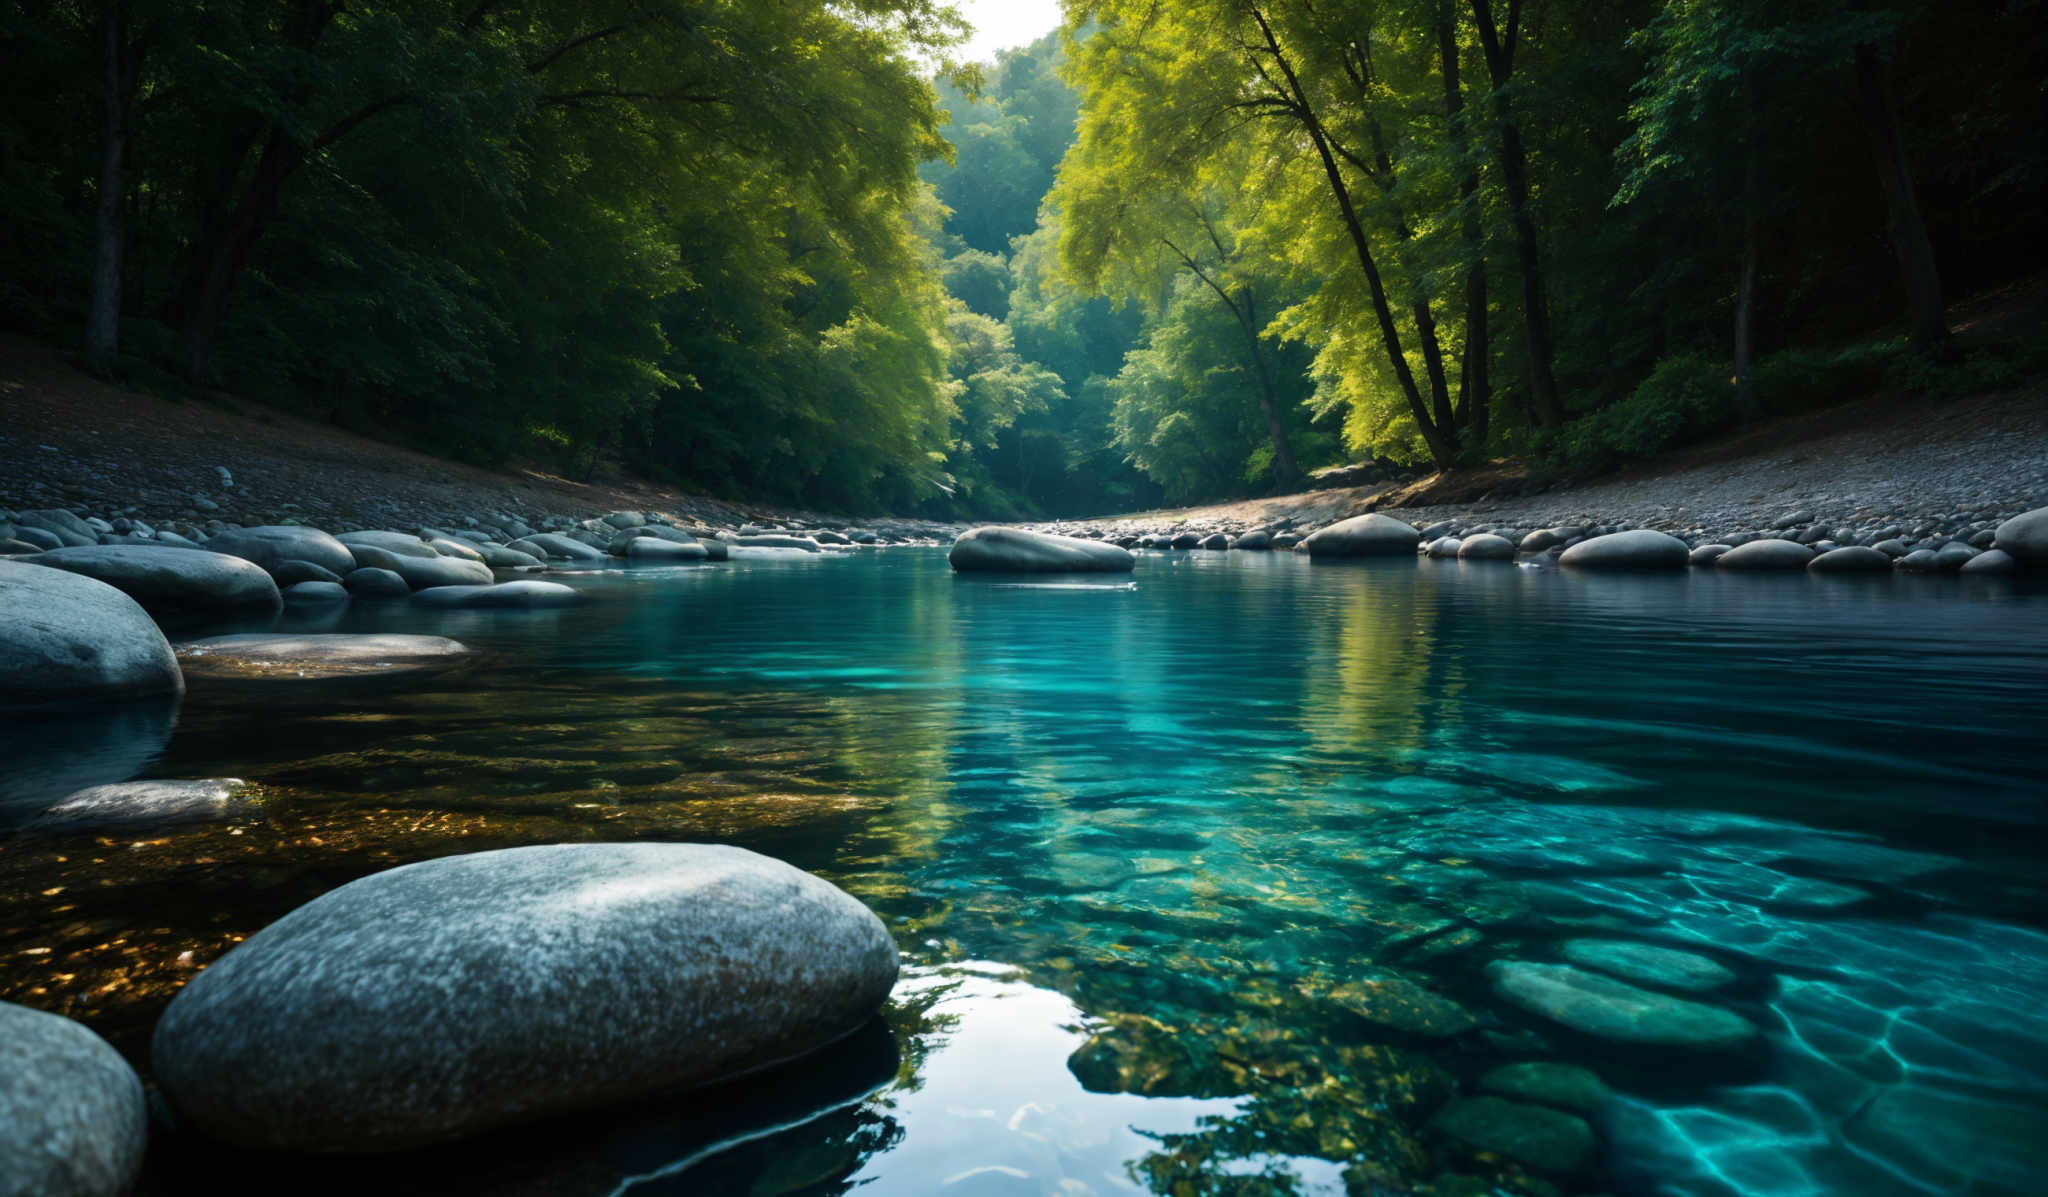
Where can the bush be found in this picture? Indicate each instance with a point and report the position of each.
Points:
(1685, 397)
(1801, 379)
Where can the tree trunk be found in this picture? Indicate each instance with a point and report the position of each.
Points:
(1925, 308)
(1285, 472)
(1514, 172)
(110, 233)
(225, 250)
(1746, 405)
(1442, 442)
(1475, 389)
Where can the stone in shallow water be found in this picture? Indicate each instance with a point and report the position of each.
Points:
(284, 656)
(1667, 968)
(1371, 535)
(1609, 1009)
(1641, 548)
(148, 803)
(522, 594)
(72, 1119)
(1547, 1082)
(1544, 1139)
(446, 998)
(66, 636)
(1401, 1004)
(171, 580)
(1015, 549)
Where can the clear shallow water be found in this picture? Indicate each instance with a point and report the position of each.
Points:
(1196, 873)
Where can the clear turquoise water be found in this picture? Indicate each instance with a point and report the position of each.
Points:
(1137, 836)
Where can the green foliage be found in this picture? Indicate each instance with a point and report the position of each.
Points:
(1684, 397)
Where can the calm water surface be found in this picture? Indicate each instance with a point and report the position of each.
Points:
(1196, 873)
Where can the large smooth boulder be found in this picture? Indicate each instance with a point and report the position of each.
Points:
(167, 580)
(775, 540)
(430, 570)
(499, 556)
(370, 582)
(1850, 560)
(446, 998)
(549, 545)
(2025, 536)
(66, 636)
(1257, 540)
(1605, 1008)
(1486, 547)
(405, 544)
(271, 547)
(521, 594)
(73, 1122)
(1640, 548)
(1991, 561)
(1766, 555)
(1373, 535)
(1005, 550)
(293, 657)
(456, 548)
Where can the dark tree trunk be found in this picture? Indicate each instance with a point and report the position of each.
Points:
(224, 250)
(1499, 45)
(1442, 442)
(1746, 404)
(1925, 308)
(1475, 390)
(110, 232)
(1285, 472)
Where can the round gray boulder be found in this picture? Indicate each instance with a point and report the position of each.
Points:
(405, 544)
(1443, 547)
(1487, 547)
(498, 556)
(1373, 535)
(371, 582)
(271, 547)
(72, 1118)
(1765, 554)
(307, 594)
(1016, 550)
(1854, 559)
(2025, 536)
(169, 580)
(1257, 540)
(446, 998)
(422, 572)
(1641, 548)
(66, 636)
(1707, 554)
(549, 545)
(292, 572)
(1991, 561)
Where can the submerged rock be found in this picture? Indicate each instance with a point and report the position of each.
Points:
(66, 636)
(1608, 1009)
(148, 804)
(1544, 1139)
(1667, 968)
(72, 1118)
(1547, 1082)
(1017, 550)
(504, 594)
(1404, 1006)
(167, 580)
(1638, 549)
(445, 998)
(285, 656)
(1373, 535)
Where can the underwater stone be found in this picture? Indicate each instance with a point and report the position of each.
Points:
(1609, 1009)
(449, 997)
(1667, 968)
(1544, 1139)
(1403, 1005)
(1547, 1082)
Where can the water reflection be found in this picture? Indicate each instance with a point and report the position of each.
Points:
(1240, 837)
(54, 752)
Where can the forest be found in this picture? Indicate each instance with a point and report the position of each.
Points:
(1175, 250)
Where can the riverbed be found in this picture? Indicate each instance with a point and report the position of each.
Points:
(1208, 878)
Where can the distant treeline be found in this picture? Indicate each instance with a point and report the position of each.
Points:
(1182, 249)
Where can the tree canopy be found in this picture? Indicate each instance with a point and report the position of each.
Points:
(1173, 250)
